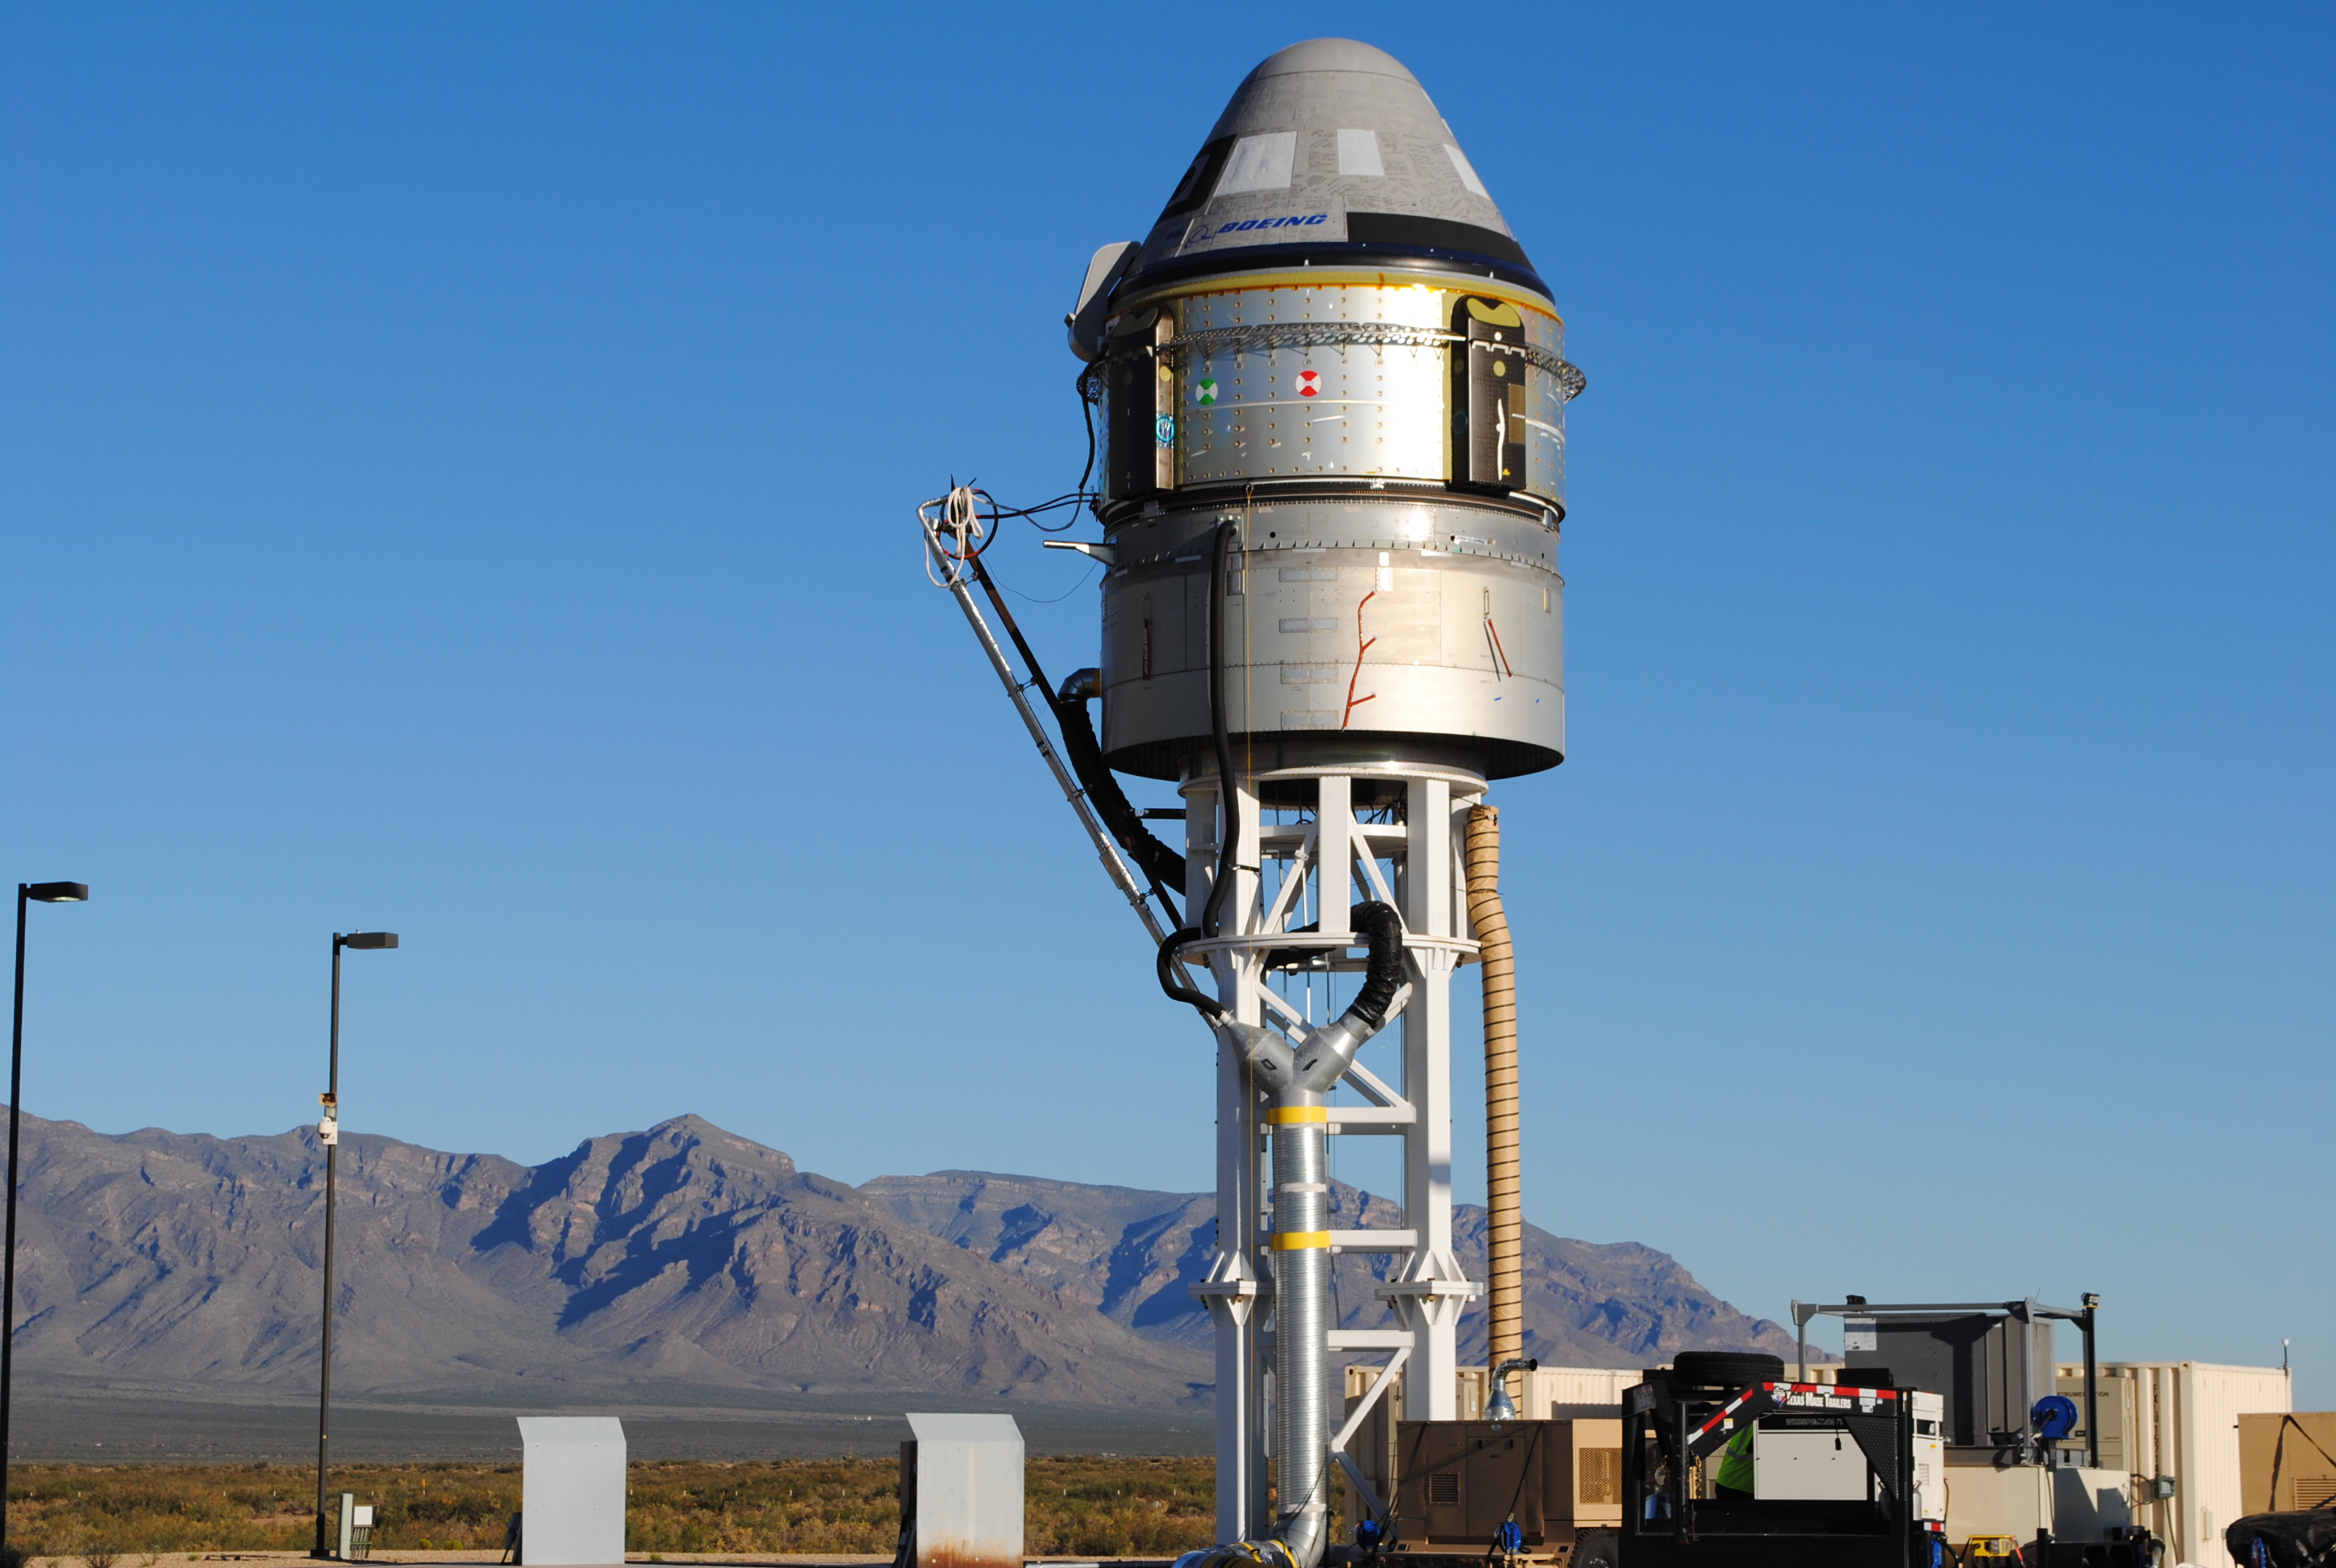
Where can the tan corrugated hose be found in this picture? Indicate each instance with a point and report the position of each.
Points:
(1504, 1231)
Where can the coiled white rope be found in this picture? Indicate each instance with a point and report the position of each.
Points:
(954, 535)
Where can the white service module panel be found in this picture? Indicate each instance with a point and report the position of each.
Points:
(1809, 1466)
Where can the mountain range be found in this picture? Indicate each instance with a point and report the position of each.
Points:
(687, 1256)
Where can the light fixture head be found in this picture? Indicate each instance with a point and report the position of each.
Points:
(370, 941)
(58, 892)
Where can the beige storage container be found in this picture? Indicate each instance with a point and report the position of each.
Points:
(2116, 1416)
(2287, 1463)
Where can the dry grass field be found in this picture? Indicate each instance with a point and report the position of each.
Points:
(1079, 1505)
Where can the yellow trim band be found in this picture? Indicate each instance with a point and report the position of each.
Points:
(1407, 275)
(1300, 1241)
(1289, 1115)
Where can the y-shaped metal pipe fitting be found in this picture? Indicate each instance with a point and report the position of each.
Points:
(1298, 1076)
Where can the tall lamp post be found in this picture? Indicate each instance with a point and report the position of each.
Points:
(328, 1130)
(26, 893)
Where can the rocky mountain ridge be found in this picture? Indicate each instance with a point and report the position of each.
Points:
(686, 1255)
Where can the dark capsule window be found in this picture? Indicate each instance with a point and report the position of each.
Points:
(1200, 178)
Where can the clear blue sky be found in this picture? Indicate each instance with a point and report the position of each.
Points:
(457, 469)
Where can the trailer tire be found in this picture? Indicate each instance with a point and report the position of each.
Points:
(1729, 1369)
(1596, 1549)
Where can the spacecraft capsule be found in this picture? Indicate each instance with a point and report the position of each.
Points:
(1332, 340)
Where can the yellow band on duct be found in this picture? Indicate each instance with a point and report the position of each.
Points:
(1300, 1241)
(1284, 1115)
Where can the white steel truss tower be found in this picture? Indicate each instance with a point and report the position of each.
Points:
(1412, 863)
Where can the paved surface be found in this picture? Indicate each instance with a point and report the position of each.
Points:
(88, 1422)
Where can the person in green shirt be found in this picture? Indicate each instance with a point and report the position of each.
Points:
(1734, 1481)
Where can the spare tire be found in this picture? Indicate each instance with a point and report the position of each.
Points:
(1596, 1549)
(1728, 1368)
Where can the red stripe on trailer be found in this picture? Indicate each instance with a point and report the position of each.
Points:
(1781, 1392)
(1729, 1408)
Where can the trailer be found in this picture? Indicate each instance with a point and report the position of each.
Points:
(1841, 1477)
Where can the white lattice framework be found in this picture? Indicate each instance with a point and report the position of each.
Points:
(1412, 865)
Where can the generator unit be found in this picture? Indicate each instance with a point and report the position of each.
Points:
(1457, 1483)
(1840, 1477)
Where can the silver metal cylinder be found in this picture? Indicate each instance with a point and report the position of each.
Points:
(1412, 623)
(1301, 1297)
(1328, 374)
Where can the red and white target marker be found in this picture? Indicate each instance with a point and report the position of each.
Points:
(1309, 383)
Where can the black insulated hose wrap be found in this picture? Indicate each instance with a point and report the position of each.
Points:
(1162, 865)
(1382, 928)
(1173, 983)
(1315, 1064)
(1228, 815)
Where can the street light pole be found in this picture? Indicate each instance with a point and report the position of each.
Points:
(328, 1130)
(26, 893)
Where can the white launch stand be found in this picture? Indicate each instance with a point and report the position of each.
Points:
(1413, 866)
(1423, 878)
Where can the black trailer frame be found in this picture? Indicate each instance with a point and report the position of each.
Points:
(1670, 1423)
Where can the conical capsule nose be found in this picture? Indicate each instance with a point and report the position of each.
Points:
(1330, 148)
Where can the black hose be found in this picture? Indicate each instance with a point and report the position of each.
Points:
(1161, 863)
(1086, 408)
(1382, 928)
(1178, 991)
(1157, 861)
(1228, 814)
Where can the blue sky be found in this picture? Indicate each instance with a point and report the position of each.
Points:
(457, 474)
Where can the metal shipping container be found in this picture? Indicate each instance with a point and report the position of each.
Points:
(2182, 1438)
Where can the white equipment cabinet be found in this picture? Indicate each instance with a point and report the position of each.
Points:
(1930, 1453)
(572, 1491)
(961, 1496)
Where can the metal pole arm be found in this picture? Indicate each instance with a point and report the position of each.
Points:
(1106, 850)
(8, 1269)
(1803, 1311)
